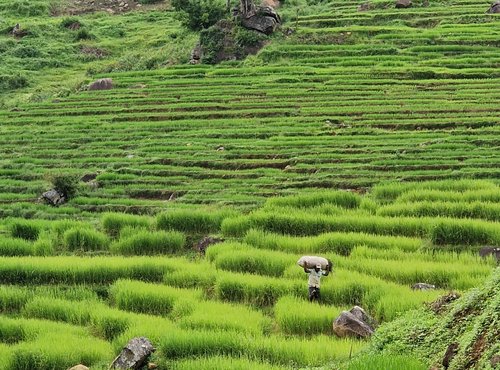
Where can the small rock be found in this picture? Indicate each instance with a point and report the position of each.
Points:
(152, 366)
(221, 149)
(423, 286)
(134, 355)
(79, 367)
(102, 84)
(401, 4)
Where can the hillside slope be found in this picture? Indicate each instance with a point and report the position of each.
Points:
(471, 322)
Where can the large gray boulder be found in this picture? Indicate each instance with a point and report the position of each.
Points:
(265, 20)
(53, 198)
(361, 314)
(134, 355)
(102, 84)
(348, 325)
(494, 8)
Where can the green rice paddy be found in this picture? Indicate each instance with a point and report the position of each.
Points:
(370, 138)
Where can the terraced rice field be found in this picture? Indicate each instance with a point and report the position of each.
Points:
(397, 106)
(348, 100)
(77, 291)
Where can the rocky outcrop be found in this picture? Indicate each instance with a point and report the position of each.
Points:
(102, 84)
(265, 20)
(134, 355)
(351, 324)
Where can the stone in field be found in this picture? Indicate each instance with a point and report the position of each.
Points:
(494, 8)
(361, 314)
(102, 84)
(134, 355)
(423, 286)
(401, 4)
(53, 197)
(348, 325)
(487, 251)
(79, 367)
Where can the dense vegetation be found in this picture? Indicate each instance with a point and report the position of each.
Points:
(368, 137)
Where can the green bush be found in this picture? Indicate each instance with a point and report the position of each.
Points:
(199, 14)
(249, 38)
(65, 184)
(145, 242)
(12, 81)
(85, 240)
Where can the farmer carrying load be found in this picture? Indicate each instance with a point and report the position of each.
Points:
(322, 267)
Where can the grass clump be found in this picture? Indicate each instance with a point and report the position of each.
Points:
(150, 243)
(143, 297)
(299, 317)
(113, 223)
(190, 221)
(83, 239)
(15, 247)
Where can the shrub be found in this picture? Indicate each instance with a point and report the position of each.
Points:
(145, 242)
(85, 240)
(249, 38)
(65, 184)
(212, 41)
(12, 81)
(198, 14)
